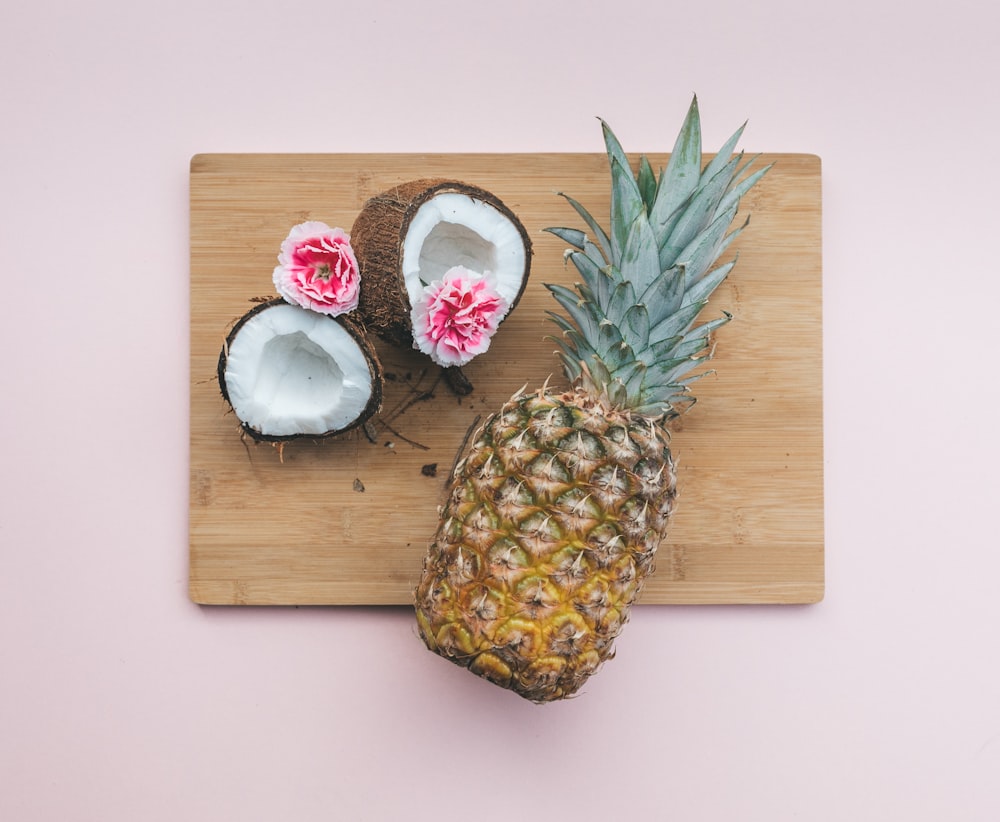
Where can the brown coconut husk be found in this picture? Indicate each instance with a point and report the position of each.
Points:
(357, 333)
(377, 239)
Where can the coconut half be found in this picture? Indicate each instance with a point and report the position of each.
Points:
(288, 372)
(409, 236)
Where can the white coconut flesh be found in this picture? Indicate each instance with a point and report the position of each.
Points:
(452, 229)
(292, 371)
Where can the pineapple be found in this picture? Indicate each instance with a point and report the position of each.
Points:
(556, 510)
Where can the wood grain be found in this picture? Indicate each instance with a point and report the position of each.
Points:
(749, 524)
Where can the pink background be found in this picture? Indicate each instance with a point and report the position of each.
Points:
(120, 700)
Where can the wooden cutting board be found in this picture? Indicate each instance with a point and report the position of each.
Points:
(346, 521)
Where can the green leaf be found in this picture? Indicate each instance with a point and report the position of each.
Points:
(597, 278)
(678, 285)
(680, 177)
(572, 355)
(614, 358)
(593, 225)
(660, 297)
(635, 327)
(631, 377)
(687, 381)
(571, 367)
(661, 410)
(664, 229)
(674, 401)
(664, 295)
(614, 148)
(593, 276)
(574, 348)
(722, 156)
(586, 296)
(640, 260)
(675, 384)
(677, 322)
(588, 269)
(696, 215)
(621, 300)
(732, 235)
(691, 348)
(573, 236)
(703, 330)
(699, 255)
(617, 393)
(581, 313)
(647, 183)
(599, 371)
(626, 205)
(594, 253)
(665, 372)
(736, 193)
(611, 347)
(664, 349)
(625, 356)
(565, 325)
(701, 290)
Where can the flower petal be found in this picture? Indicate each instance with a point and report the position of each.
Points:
(318, 269)
(456, 317)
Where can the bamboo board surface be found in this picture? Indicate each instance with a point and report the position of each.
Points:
(748, 527)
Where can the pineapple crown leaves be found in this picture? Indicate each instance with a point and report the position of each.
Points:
(629, 331)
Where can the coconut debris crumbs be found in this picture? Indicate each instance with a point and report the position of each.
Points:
(429, 470)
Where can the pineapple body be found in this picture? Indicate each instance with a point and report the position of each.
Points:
(554, 515)
(550, 528)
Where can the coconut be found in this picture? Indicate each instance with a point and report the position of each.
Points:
(288, 372)
(410, 236)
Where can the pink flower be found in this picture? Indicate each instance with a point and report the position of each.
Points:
(456, 317)
(318, 269)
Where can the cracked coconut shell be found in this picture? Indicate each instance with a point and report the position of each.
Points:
(410, 235)
(288, 373)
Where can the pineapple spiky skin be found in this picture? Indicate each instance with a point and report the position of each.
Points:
(554, 516)
(551, 527)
